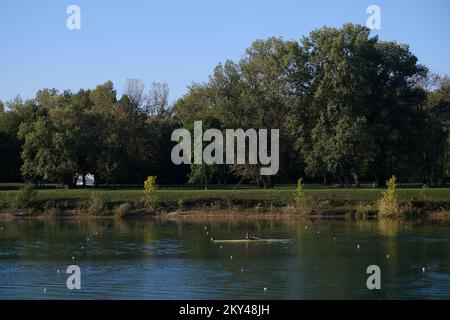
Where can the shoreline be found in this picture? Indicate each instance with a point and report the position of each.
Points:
(209, 213)
(130, 203)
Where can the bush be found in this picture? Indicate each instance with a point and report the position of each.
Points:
(259, 208)
(301, 202)
(96, 205)
(299, 194)
(388, 204)
(122, 210)
(363, 210)
(26, 197)
(150, 192)
(53, 212)
(180, 204)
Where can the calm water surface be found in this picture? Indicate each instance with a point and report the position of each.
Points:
(175, 259)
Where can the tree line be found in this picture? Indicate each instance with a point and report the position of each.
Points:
(349, 108)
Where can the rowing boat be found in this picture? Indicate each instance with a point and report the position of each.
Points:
(251, 241)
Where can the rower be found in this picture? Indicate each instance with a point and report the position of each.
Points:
(248, 236)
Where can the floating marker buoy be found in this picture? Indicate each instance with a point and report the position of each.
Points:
(73, 257)
(387, 256)
(45, 290)
(231, 257)
(423, 269)
(57, 271)
(265, 289)
(220, 247)
(358, 246)
(205, 228)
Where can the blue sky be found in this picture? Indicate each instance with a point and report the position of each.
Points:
(182, 41)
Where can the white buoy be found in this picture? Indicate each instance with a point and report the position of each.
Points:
(205, 228)
(265, 289)
(358, 246)
(212, 239)
(231, 257)
(242, 270)
(306, 227)
(73, 257)
(45, 290)
(318, 232)
(57, 271)
(423, 269)
(82, 247)
(220, 247)
(87, 239)
(334, 238)
(207, 233)
(387, 256)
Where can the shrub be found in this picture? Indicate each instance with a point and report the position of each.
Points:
(215, 205)
(299, 191)
(180, 203)
(302, 203)
(259, 208)
(96, 205)
(53, 212)
(363, 210)
(150, 192)
(51, 208)
(122, 210)
(388, 204)
(26, 197)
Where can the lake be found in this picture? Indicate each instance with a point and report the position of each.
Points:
(176, 259)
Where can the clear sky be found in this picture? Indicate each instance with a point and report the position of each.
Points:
(182, 41)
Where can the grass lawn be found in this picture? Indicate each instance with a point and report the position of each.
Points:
(282, 193)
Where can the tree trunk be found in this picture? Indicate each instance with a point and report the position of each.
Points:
(259, 183)
(341, 182)
(268, 182)
(347, 180)
(356, 180)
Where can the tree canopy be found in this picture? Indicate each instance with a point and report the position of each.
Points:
(349, 108)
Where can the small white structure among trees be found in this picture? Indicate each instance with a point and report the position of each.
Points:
(90, 180)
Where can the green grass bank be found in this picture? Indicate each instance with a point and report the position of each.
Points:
(129, 201)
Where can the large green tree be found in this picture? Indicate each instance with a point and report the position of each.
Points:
(370, 88)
